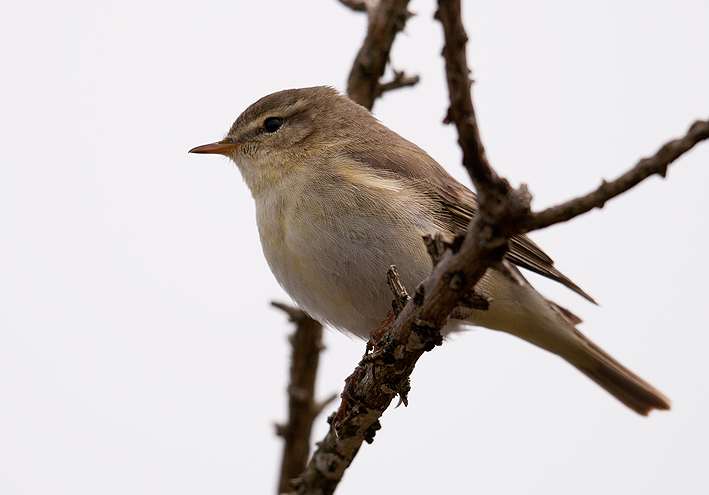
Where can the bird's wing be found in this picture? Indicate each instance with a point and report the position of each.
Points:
(459, 204)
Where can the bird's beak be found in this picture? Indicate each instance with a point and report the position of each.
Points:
(220, 147)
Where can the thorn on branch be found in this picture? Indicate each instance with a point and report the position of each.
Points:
(403, 389)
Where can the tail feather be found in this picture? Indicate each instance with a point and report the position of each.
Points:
(618, 380)
(521, 311)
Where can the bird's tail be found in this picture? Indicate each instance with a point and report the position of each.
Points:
(618, 380)
(519, 310)
(564, 339)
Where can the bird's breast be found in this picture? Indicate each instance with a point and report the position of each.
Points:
(330, 248)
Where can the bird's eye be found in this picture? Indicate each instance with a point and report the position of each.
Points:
(272, 124)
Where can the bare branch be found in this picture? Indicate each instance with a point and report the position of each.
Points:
(302, 408)
(386, 19)
(656, 164)
(498, 199)
(499, 202)
(461, 111)
(504, 212)
(400, 80)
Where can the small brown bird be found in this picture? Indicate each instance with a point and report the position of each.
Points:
(340, 198)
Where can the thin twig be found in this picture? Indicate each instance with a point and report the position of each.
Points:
(656, 164)
(400, 80)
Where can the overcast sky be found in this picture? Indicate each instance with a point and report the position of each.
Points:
(138, 350)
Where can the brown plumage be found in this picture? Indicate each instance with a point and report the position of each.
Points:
(340, 198)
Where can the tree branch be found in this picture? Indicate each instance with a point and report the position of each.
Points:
(401, 80)
(386, 19)
(504, 212)
(656, 164)
(497, 198)
(302, 408)
(508, 209)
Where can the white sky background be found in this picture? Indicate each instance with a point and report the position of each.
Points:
(138, 351)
